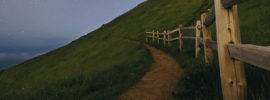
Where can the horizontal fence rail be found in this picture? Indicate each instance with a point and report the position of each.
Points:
(260, 54)
(161, 33)
(211, 44)
(189, 38)
(175, 30)
(231, 56)
(149, 36)
(149, 32)
(189, 28)
(173, 39)
(252, 54)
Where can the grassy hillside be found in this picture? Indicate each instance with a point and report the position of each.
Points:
(203, 81)
(103, 63)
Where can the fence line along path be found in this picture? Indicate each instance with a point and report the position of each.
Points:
(232, 53)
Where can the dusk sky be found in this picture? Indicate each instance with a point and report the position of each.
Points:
(32, 27)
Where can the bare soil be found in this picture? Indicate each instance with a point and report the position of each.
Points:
(159, 83)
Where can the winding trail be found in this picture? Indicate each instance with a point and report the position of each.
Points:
(159, 82)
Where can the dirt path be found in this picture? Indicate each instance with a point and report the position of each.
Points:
(159, 82)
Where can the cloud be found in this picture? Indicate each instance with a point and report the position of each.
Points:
(18, 56)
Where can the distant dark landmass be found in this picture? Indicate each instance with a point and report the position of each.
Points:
(4, 64)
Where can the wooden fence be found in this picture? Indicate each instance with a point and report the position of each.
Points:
(231, 52)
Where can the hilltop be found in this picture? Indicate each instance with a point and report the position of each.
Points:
(109, 60)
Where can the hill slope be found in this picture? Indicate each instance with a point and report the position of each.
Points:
(101, 64)
(107, 61)
(203, 81)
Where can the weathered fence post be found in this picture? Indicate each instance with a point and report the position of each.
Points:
(164, 38)
(198, 35)
(158, 37)
(180, 37)
(153, 34)
(169, 37)
(231, 71)
(207, 35)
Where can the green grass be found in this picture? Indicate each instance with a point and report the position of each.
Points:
(81, 70)
(201, 81)
(99, 65)
(107, 61)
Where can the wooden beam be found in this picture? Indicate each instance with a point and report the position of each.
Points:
(153, 34)
(146, 38)
(198, 35)
(175, 30)
(164, 38)
(189, 38)
(255, 55)
(169, 37)
(211, 44)
(189, 28)
(200, 40)
(173, 39)
(180, 37)
(149, 32)
(210, 18)
(229, 3)
(158, 37)
(207, 35)
(232, 74)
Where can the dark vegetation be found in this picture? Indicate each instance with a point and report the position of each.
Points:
(104, 63)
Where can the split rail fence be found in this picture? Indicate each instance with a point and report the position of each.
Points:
(231, 52)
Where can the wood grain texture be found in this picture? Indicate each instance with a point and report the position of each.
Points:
(258, 56)
(232, 74)
(158, 37)
(210, 17)
(211, 44)
(164, 38)
(169, 37)
(153, 34)
(180, 37)
(207, 35)
(198, 35)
